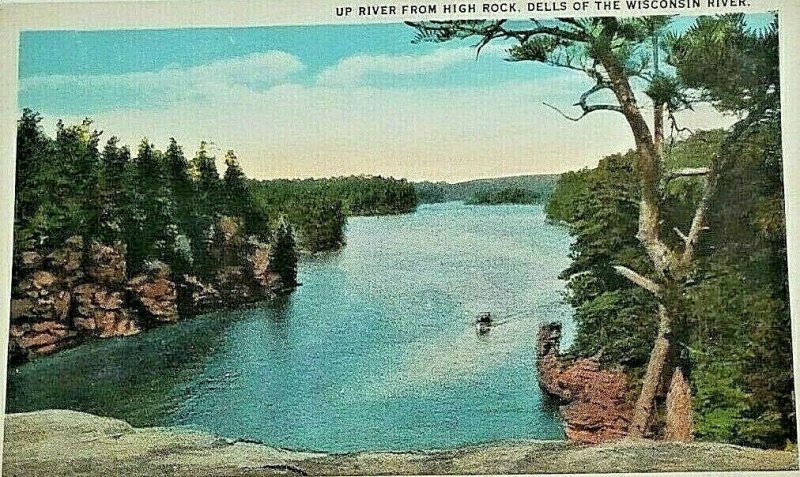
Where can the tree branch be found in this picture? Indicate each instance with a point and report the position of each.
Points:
(698, 222)
(437, 30)
(587, 108)
(639, 280)
(681, 235)
(686, 172)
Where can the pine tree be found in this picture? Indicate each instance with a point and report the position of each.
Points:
(79, 182)
(115, 160)
(33, 147)
(283, 253)
(619, 55)
(235, 187)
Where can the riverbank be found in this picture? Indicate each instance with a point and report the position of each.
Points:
(57, 442)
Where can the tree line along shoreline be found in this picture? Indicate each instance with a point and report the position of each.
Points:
(108, 242)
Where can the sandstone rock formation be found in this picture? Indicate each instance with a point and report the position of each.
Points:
(596, 402)
(101, 312)
(41, 296)
(41, 337)
(40, 309)
(154, 294)
(82, 289)
(257, 264)
(67, 261)
(107, 263)
(202, 296)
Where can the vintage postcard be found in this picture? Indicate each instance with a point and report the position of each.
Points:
(400, 238)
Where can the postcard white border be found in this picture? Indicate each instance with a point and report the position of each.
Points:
(109, 15)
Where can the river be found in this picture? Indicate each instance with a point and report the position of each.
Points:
(375, 351)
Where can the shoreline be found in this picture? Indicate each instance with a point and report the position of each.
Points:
(60, 442)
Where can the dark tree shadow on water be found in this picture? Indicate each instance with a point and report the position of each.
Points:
(139, 379)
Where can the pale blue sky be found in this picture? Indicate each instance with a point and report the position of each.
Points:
(321, 100)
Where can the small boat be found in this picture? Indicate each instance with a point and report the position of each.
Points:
(483, 323)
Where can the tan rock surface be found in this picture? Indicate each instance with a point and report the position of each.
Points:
(68, 443)
(101, 312)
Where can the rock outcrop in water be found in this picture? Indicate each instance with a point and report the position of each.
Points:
(595, 402)
(80, 291)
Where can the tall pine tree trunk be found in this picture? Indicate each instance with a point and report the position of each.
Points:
(643, 411)
(649, 167)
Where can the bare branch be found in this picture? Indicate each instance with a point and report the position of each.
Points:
(681, 235)
(639, 280)
(698, 222)
(589, 109)
(494, 32)
(449, 29)
(675, 129)
(686, 172)
(571, 118)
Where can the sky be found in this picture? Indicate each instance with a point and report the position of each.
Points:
(321, 101)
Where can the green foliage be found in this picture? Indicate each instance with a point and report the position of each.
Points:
(614, 319)
(318, 208)
(741, 351)
(436, 192)
(165, 207)
(283, 253)
(158, 204)
(732, 319)
(735, 67)
(570, 186)
(734, 324)
(511, 195)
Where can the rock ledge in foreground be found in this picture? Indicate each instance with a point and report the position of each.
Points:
(56, 442)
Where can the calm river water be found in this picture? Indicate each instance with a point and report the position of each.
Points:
(375, 350)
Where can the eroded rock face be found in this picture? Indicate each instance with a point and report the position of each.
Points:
(596, 401)
(31, 260)
(600, 410)
(154, 294)
(82, 289)
(107, 263)
(40, 307)
(202, 296)
(100, 311)
(67, 261)
(549, 363)
(41, 297)
(258, 264)
(234, 285)
(679, 426)
(42, 337)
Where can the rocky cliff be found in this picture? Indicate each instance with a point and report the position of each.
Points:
(597, 403)
(83, 290)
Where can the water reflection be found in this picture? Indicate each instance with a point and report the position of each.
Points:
(141, 380)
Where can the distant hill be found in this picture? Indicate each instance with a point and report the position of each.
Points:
(433, 192)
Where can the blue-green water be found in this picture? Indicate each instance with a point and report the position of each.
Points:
(375, 350)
